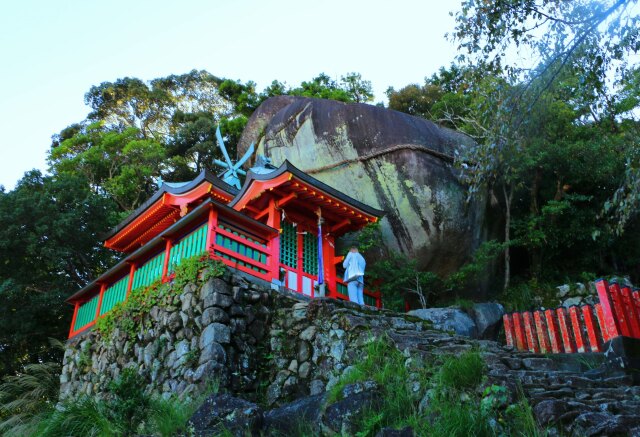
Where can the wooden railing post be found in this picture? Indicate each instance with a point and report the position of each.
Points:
(103, 287)
(633, 317)
(167, 255)
(620, 310)
(589, 321)
(529, 330)
(73, 320)
(507, 321)
(564, 331)
(132, 272)
(577, 329)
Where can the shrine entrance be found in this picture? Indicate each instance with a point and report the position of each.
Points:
(299, 257)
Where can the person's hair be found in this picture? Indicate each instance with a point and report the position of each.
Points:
(354, 247)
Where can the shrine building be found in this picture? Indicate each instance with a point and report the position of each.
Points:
(280, 227)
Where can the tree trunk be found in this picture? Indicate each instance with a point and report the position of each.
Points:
(508, 198)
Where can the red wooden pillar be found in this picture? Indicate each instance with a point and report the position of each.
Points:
(519, 332)
(273, 220)
(608, 309)
(554, 335)
(167, 255)
(631, 312)
(212, 225)
(577, 329)
(73, 320)
(529, 330)
(589, 321)
(103, 287)
(541, 329)
(329, 255)
(620, 310)
(132, 271)
(564, 331)
(508, 328)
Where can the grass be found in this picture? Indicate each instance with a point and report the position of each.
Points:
(463, 372)
(456, 405)
(28, 408)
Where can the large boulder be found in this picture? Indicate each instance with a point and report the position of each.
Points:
(488, 319)
(448, 319)
(390, 160)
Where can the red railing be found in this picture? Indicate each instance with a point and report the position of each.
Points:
(578, 329)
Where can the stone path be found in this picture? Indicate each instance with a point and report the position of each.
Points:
(569, 402)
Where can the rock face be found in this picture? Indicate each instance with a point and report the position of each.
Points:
(390, 160)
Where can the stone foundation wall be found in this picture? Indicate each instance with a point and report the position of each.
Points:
(214, 331)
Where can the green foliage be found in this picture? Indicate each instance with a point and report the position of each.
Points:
(200, 266)
(398, 275)
(28, 398)
(130, 316)
(82, 417)
(462, 372)
(454, 405)
(385, 365)
(49, 227)
(124, 410)
(127, 402)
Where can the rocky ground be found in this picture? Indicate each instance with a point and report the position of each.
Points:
(567, 397)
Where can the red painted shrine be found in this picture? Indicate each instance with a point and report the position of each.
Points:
(268, 229)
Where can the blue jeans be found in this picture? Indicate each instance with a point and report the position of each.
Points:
(356, 292)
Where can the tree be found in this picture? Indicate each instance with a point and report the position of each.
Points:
(593, 41)
(122, 164)
(49, 245)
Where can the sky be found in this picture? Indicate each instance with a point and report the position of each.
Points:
(52, 52)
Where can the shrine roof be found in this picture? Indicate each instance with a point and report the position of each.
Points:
(174, 188)
(158, 242)
(287, 167)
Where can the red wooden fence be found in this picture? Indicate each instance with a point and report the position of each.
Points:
(578, 329)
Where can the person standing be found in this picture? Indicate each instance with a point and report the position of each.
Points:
(354, 265)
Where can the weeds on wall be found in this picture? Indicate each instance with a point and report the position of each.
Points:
(130, 316)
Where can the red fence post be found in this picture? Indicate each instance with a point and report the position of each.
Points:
(601, 322)
(529, 330)
(577, 329)
(508, 328)
(541, 329)
(608, 310)
(519, 331)
(589, 321)
(616, 297)
(552, 326)
(631, 312)
(564, 331)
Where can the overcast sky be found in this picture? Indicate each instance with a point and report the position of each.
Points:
(52, 52)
